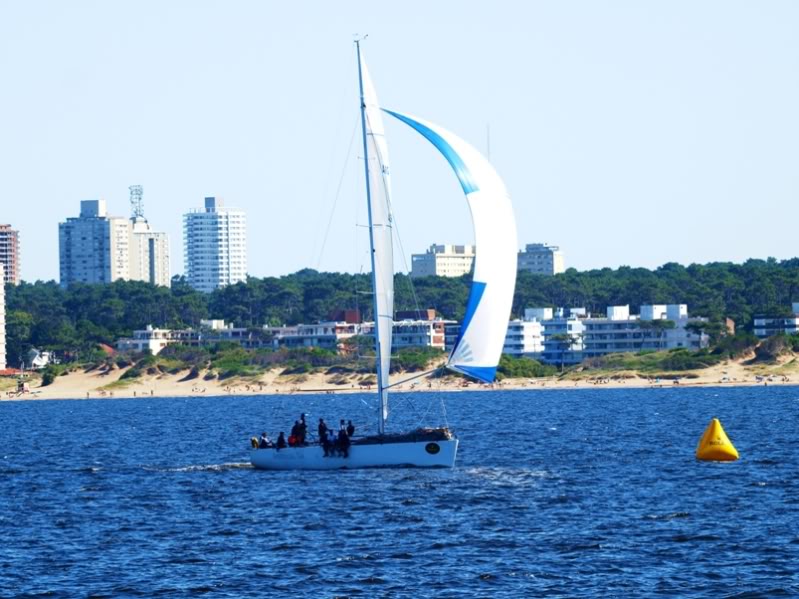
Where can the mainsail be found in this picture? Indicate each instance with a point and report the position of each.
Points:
(378, 193)
(485, 323)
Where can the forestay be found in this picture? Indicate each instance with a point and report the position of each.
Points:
(479, 346)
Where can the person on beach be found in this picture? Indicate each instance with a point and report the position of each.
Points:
(281, 441)
(350, 429)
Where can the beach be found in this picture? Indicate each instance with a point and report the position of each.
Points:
(81, 384)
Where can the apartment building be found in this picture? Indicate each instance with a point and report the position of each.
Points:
(97, 248)
(443, 261)
(215, 246)
(10, 254)
(542, 259)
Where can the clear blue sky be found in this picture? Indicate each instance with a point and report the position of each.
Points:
(627, 132)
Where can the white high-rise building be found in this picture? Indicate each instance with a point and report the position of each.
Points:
(443, 261)
(542, 259)
(215, 246)
(2, 319)
(97, 248)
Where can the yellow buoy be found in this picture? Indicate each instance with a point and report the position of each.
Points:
(715, 446)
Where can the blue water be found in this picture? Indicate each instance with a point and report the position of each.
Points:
(578, 493)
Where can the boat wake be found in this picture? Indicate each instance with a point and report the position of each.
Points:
(206, 467)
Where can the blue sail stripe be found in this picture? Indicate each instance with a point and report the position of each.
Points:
(475, 295)
(455, 161)
(487, 374)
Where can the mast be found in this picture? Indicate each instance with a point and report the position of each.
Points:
(382, 392)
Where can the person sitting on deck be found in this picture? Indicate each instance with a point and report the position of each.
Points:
(265, 441)
(350, 429)
(281, 440)
(343, 443)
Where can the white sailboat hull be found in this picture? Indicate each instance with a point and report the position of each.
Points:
(419, 454)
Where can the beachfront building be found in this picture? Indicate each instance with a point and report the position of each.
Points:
(541, 259)
(524, 338)
(2, 320)
(215, 246)
(656, 328)
(9, 254)
(330, 335)
(572, 335)
(97, 248)
(443, 261)
(563, 333)
(150, 340)
(209, 332)
(766, 326)
(415, 333)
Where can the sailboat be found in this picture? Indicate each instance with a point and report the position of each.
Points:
(478, 348)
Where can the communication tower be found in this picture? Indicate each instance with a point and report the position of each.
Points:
(137, 201)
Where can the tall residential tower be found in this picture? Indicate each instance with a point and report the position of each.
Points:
(215, 246)
(9, 253)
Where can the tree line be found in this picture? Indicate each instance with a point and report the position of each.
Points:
(75, 320)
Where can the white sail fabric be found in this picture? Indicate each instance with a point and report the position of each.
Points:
(380, 221)
(485, 323)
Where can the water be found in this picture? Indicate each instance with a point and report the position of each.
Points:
(578, 493)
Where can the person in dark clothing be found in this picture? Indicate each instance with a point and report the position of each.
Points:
(350, 429)
(281, 441)
(343, 443)
(322, 430)
(342, 426)
(295, 433)
(265, 442)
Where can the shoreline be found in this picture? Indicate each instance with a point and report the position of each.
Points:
(106, 385)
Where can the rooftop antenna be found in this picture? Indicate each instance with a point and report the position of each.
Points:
(137, 201)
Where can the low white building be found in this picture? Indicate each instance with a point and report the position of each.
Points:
(149, 339)
(524, 337)
(570, 336)
(325, 335)
(443, 261)
(766, 326)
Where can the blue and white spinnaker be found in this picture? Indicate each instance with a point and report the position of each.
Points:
(485, 323)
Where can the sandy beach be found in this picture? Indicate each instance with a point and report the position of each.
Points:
(98, 384)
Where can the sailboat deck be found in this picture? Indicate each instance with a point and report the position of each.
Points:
(420, 435)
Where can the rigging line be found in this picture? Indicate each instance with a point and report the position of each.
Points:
(341, 115)
(418, 376)
(338, 194)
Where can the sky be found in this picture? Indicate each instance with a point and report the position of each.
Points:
(628, 133)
